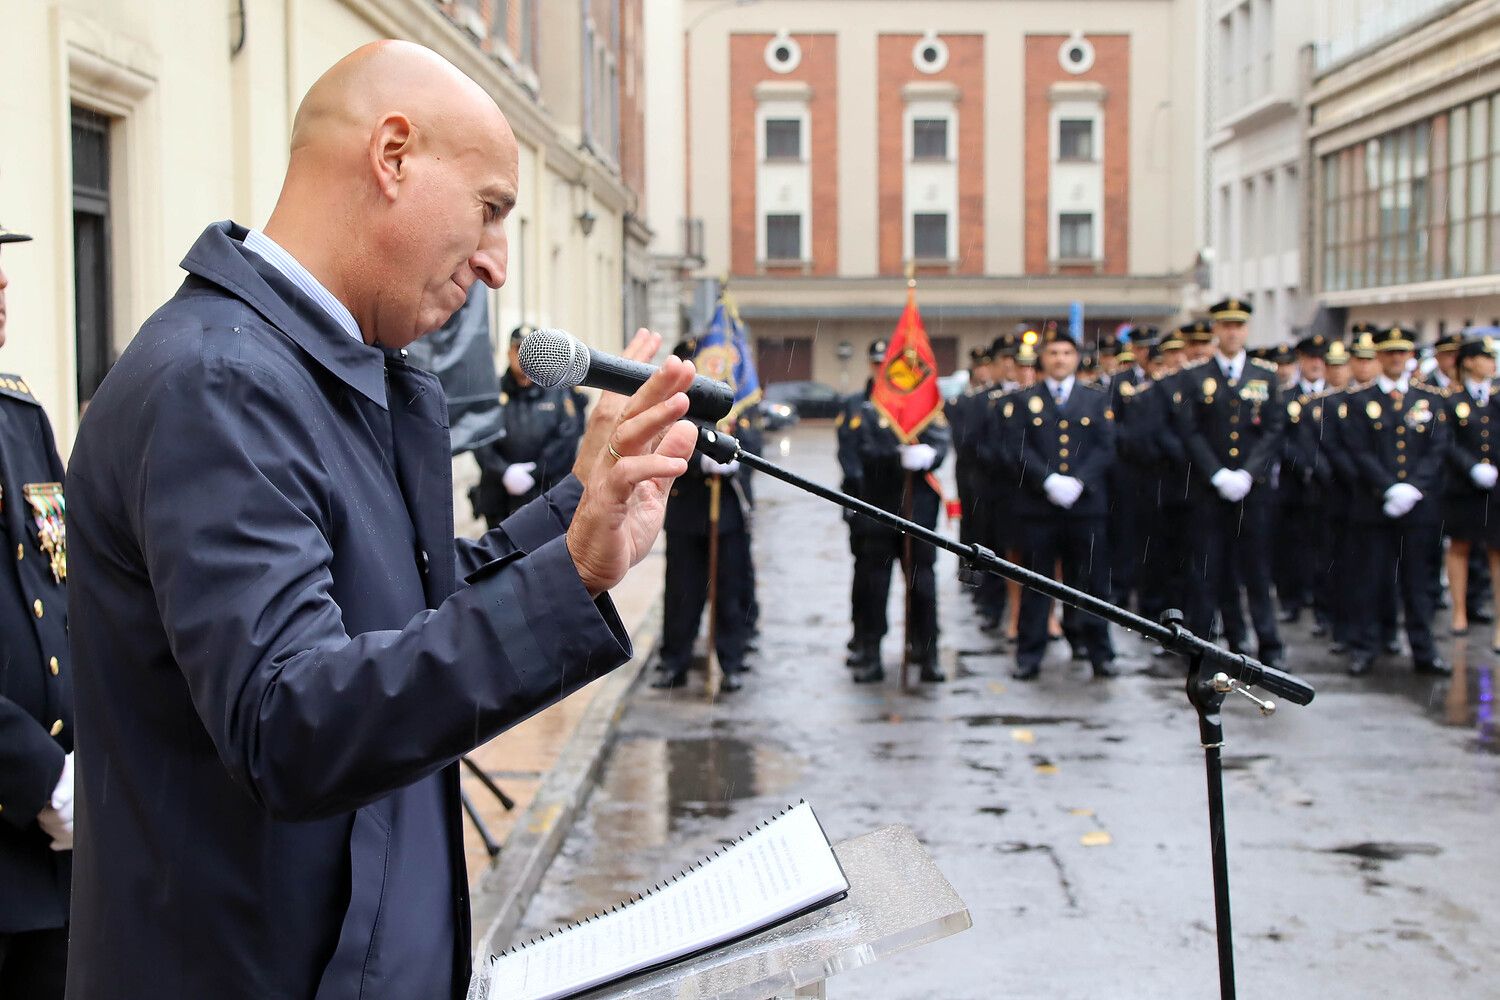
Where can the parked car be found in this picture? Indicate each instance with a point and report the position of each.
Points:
(776, 416)
(812, 399)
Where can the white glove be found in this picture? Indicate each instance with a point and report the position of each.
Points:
(1062, 491)
(56, 818)
(1247, 482)
(917, 457)
(712, 468)
(1232, 484)
(1400, 499)
(518, 479)
(1484, 476)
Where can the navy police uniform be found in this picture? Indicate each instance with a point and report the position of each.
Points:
(36, 692)
(1471, 512)
(1394, 434)
(542, 426)
(36, 696)
(1069, 433)
(1236, 421)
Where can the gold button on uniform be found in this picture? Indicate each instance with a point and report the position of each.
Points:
(1401, 474)
(1234, 435)
(1062, 439)
(20, 553)
(1062, 425)
(1400, 445)
(52, 666)
(1401, 459)
(1062, 453)
(1063, 467)
(56, 727)
(1234, 453)
(1400, 429)
(36, 607)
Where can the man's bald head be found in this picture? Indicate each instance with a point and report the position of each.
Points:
(402, 171)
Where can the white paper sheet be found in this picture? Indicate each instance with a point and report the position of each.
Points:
(781, 868)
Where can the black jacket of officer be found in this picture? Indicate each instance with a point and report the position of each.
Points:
(1076, 440)
(36, 694)
(1392, 442)
(884, 478)
(541, 426)
(1229, 425)
(689, 503)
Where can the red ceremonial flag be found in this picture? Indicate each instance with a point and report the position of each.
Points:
(906, 392)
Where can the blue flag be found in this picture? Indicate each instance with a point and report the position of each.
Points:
(724, 354)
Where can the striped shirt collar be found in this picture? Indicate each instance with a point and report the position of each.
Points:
(272, 253)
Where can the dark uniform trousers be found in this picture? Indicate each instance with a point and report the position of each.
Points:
(688, 529)
(36, 698)
(1238, 425)
(877, 549)
(1394, 441)
(1076, 439)
(1153, 441)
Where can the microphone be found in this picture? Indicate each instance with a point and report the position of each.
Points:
(552, 358)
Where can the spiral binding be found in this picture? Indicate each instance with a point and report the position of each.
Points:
(625, 904)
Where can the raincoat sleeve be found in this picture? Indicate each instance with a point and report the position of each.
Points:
(528, 529)
(310, 720)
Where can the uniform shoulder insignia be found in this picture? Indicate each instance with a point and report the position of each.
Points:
(1127, 389)
(854, 422)
(1193, 364)
(15, 387)
(1091, 385)
(838, 421)
(1261, 362)
(1010, 408)
(998, 393)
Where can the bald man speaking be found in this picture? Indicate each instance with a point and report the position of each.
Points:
(282, 650)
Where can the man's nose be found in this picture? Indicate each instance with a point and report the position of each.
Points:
(489, 261)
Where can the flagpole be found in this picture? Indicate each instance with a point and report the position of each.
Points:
(907, 570)
(714, 668)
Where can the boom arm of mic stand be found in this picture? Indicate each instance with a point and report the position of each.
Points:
(724, 449)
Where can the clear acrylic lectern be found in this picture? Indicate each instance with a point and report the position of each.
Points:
(897, 900)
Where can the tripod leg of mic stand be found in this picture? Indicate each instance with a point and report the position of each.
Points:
(1209, 700)
(491, 845)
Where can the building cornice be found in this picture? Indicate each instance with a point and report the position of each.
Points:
(421, 22)
(1448, 288)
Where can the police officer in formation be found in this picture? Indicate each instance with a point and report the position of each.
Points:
(894, 475)
(536, 452)
(36, 694)
(1058, 439)
(1320, 477)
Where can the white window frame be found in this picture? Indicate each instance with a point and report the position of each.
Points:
(788, 107)
(930, 107)
(1080, 106)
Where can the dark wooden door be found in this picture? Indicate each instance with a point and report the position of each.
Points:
(784, 359)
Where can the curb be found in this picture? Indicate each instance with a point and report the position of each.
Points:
(505, 890)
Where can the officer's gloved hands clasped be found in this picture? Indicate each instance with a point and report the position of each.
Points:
(1400, 499)
(56, 818)
(712, 468)
(518, 478)
(1233, 484)
(1484, 475)
(1062, 491)
(918, 457)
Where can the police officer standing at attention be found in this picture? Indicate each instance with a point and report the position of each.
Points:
(885, 464)
(1471, 511)
(1061, 439)
(36, 696)
(542, 430)
(1231, 418)
(1299, 497)
(1397, 435)
(863, 649)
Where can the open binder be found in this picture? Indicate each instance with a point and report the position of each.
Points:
(780, 870)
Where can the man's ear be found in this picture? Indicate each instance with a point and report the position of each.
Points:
(390, 144)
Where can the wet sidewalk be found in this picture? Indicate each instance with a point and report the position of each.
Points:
(520, 760)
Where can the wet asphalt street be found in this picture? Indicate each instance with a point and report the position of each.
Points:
(1069, 814)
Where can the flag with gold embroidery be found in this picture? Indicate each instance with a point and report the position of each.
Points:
(906, 391)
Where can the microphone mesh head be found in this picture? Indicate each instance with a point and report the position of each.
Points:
(552, 358)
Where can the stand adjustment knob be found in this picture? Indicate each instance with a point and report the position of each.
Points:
(1224, 684)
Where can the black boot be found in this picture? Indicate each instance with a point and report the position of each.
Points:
(865, 653)
(872, 674)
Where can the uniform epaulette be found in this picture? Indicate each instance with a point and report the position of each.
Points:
(1268, 366)
(1091, 385)
(1192, 364)
(15, 387)
(1435, 390)
(999, 392)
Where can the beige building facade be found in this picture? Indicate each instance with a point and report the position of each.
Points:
(133, 124)
(1404, 149)
(1023, 156)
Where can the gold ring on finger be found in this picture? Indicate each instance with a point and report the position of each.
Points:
(612, 453)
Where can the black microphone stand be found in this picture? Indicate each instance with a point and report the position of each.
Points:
(1232, 672)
